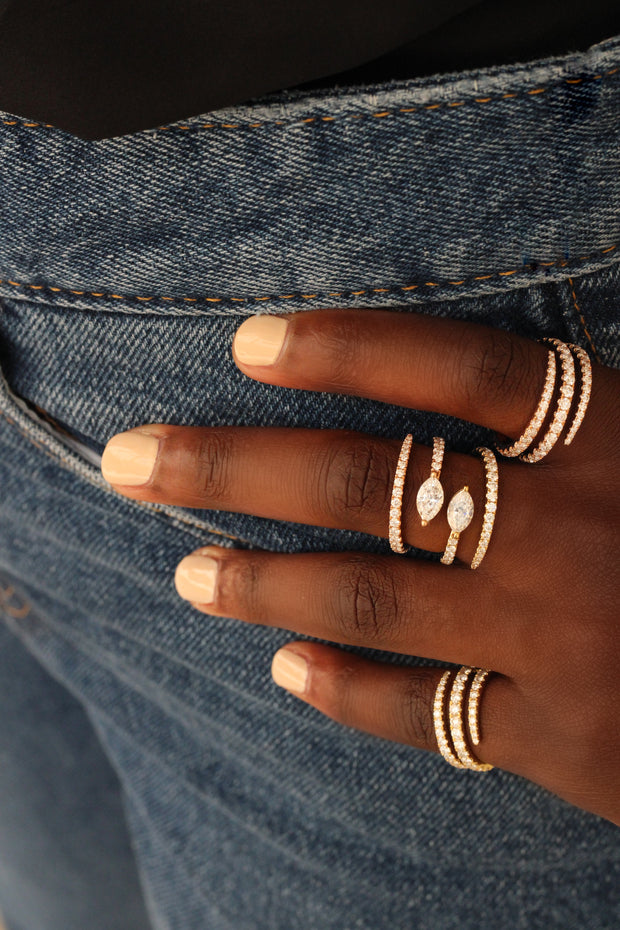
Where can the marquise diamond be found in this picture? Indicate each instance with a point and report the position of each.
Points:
(460, 511)
(429, 500)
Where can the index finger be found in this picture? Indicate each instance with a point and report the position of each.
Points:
(477, 373)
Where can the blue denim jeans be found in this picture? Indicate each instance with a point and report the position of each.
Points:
(126, 265)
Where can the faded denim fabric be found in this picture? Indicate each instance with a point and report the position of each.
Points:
(126, 266)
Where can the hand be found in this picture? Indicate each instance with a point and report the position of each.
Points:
(541, 611)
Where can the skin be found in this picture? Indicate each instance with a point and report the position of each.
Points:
(541, 611)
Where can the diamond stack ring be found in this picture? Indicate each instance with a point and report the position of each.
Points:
(396, 503)
(453, 745)
(567, 389)
(473, 705)
(460, 515)
(457, 726)
(429, 500)
(568, 354)
(440, 727)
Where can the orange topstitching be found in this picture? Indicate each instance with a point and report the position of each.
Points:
(328, 119)
(583, 322)
(344, 293)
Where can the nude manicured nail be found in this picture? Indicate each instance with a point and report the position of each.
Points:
(259, 340)
(289, 670)
(129, 458)
(195, 578)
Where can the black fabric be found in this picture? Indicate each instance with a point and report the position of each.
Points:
(100, 68)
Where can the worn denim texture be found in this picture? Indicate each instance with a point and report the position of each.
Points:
(126, 265)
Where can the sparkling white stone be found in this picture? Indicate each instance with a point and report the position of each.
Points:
(460, 511)
(429, 500)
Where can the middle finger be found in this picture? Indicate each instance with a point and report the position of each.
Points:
(333, 478)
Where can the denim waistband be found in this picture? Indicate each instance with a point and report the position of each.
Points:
(390, 194)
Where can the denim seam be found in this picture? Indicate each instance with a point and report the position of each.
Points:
(583, 322)
(530, 268)
(157, 510)
(380, 115)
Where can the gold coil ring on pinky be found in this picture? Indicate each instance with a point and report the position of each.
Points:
(454, 747)
(396, 502)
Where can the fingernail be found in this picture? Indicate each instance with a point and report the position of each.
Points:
(259, 340)
(289, 670)
(195, 578)
(129, 458)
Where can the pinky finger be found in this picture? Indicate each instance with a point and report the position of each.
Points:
(394, 702)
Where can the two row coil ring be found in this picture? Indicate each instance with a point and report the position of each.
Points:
(430, 499)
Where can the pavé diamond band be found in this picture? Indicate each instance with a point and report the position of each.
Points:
(396, 502)
(585, 366)
(563, 405)
(490, 504)
(533, 427)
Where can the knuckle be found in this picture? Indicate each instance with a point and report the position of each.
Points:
(355, 480)
(334, 343)
(239, 589)
(342, 700)
(495, 370)
(212, 462)
(414, 707)
(366, 607)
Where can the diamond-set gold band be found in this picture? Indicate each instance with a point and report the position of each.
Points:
(473, 706)
(454, 748)
(457, 726)
(564, 403)
(533, 427)
(586, 390)
(396, 502)
(490, 506)
(440, 727)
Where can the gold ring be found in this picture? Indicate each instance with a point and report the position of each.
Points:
(564, 403)
(533, 427)
(457, 726)
(584, 395)
(490, 504)
(396, 502)
(440, 727)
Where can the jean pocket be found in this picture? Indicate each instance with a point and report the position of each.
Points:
(71, 439)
